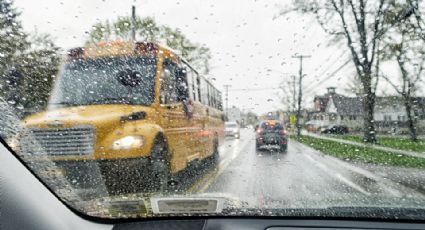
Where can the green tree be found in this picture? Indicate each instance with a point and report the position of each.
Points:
(13, 43)
(27, 63)
(12, 39)
(147, 29)
(404, 44)
(39, 67)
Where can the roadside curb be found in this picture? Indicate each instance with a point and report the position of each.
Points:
(388, 182)
(395, 151)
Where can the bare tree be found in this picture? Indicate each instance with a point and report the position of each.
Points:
(289, 91)
(414, 12)
(360, 24)
(405, 46)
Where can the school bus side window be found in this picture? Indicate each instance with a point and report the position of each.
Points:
(181, 84)
(169, 94)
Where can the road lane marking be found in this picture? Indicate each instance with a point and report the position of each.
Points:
(202, 180)
(211, 177)
(223, 165)
(206, 180)
(337, 175)
(367, 174)
(387, 186)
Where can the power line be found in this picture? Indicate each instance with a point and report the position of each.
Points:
(255, 89)
(329, 58)
(329, 76)
(324, 70)
(332, 64)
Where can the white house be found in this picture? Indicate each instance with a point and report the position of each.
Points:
(389, 113)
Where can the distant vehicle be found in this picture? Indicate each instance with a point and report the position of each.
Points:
(271, 132)
(231, 129)
(334, 129)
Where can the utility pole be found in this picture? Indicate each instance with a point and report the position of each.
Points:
(294, 92)
(300, 95)
(133, 23)
(226, 95)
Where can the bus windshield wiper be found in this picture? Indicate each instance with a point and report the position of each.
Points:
(111, 100)
(65, 103)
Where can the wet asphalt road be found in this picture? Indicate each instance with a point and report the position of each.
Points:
(299, 178)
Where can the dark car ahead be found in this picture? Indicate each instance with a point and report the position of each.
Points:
(335, 129)
(271, 132)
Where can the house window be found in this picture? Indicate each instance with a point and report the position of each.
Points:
(352, 117)
(388, 117)
(342, 117)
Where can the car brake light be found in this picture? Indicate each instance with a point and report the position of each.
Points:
(259, 130)
(284, 132)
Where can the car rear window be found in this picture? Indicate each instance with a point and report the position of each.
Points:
(231, 125)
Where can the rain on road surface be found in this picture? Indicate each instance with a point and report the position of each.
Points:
(301, 177)
(298, 178)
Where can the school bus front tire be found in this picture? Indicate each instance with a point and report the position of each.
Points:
(143, 174)
(160, 165)
(123, 176)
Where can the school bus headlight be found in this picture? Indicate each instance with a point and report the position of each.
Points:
(13, 142)
(128, 142)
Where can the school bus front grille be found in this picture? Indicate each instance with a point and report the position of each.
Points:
(60, 141)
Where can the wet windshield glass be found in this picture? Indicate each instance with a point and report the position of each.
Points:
(121, 80)
(146, 109)
(272, 126)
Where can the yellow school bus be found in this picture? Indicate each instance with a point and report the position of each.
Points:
(134, 110)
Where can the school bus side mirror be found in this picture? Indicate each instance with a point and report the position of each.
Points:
(181, 73)
(182, 90)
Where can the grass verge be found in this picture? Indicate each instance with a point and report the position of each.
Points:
(360, 154)
(401, 143)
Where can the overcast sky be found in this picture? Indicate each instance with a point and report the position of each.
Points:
(251, 48)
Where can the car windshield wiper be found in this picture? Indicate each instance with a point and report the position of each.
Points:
(65, 103)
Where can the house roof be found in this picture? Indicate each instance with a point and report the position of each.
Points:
(323, 100)
(348, 105)
(354, 105)
(389, 101)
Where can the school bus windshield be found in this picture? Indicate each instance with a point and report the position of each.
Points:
(111, 80)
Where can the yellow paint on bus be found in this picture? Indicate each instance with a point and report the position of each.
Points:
(189, 137)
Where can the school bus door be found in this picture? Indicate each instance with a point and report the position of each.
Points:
(173, 118)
